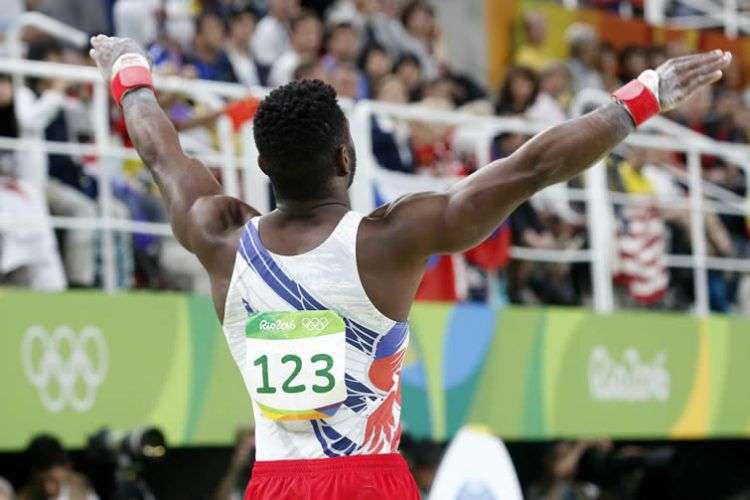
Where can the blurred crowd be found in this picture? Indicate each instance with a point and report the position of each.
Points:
(387, 50)
(583, 469)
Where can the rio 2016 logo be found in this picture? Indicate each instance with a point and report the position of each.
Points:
(54, 362)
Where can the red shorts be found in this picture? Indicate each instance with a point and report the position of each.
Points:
(361, 477)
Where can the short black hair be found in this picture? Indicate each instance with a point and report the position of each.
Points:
(414, 6)
(304, 15)
(236, 13)
(298, 130)
(45, 452)
(407, 58)
(200, 20)
(42, 48)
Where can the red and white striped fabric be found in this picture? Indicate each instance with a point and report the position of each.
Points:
(642, 252)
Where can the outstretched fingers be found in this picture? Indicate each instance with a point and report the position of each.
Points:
(709, 72)
(707, 79)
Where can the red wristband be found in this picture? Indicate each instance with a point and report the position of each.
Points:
(130, 72)
(638, 99)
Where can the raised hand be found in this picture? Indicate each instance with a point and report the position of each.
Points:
(106, 50)
(680, 77)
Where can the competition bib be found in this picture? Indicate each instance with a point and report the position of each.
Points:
(295, 361)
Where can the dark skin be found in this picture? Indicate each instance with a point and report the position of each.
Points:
(395, 241)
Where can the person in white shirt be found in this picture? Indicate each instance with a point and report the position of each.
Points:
(40, 106)
(271, 38)
(242, 24)
(307, 38)
(137, 19)
(584, 57)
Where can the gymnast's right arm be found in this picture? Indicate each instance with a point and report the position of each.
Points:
(200, 215)
(430, 223)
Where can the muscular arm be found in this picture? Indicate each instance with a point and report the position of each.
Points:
(203, 220)
(430, 223)
(182, 180)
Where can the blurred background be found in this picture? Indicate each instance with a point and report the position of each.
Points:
(601, 333)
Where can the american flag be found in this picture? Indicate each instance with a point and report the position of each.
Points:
(642, 251)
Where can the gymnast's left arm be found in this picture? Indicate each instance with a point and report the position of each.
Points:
(431, 223)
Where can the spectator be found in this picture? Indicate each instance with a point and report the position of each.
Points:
(241, 27)
(225, 9)
(306, 41)
(356, 12)
(441, 88)
(40, 109)
(538, 283)
(408, 69)
(209, 59)
(609, 63)
(376, 63)
(466, 90)
(657, 55)
(342, 49)
(310, 71)
(555, 81)
(532, 54)
(137, 19)
(167, 57)
(561, 464)
(390, 136)
(633, 62)
(6, 490)
(51, 473)
(345, 79)
(432, 142)
(583, 43)
(8, 15)
(271, 38)
(232, 485)
(518, 93)
(85, 15)
(422, 37)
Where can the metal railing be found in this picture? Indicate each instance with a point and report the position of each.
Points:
(252, 185)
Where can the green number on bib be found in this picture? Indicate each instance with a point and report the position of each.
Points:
(286, 387)
(324, 372)
(263, 363)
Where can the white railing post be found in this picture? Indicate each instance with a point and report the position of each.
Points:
(229, 166)
(101, 134)
(654, 12)
(731, 21)
(698, 233)
(254, 181)
(361, 192)
(600, 228)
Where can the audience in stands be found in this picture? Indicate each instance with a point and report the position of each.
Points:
(305, 46)
(271, 38)
(388, 50)
(238, 42)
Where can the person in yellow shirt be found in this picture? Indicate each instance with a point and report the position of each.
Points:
(532, 53)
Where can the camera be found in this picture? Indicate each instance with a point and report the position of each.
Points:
(119, 458)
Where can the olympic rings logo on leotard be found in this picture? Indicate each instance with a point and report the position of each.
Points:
(315, 324)
(54, 363)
